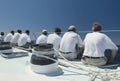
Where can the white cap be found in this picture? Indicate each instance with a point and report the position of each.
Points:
(71, 27)
(44, 30)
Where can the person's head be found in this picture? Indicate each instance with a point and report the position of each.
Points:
(72, 28)
(2, 33)
(27, 32)
(96, 27)
(57, 31)
(19, 31)
(12, 32)
(44, 32)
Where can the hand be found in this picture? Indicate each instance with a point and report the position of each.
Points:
(83, 58)
(109, 61)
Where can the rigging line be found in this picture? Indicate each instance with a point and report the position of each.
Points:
(89, 31)
(102, 31)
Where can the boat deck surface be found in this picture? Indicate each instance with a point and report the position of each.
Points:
(18, 69)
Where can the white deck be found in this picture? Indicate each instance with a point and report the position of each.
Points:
(18, 69)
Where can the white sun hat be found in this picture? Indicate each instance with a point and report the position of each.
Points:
(71, 27)
(44, 30)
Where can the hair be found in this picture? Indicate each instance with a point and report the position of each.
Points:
(57, 31)
(27, 31)
(45, 33)
(2, 33)
(19, 31)
(96, 27)
(12, 32)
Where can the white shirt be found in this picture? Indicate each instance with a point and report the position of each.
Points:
(23, 39)
(8, 37)
(69, 42)
(15, 38)
(41, 39)
(96, 43)
(55, 40)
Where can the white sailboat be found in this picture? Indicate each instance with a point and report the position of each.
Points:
(25, 69)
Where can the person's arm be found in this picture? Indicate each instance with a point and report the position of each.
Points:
(80, 52)
(109, 44)
(81, 49)
(113, 54)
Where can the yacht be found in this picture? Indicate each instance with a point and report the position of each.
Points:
(42, 64)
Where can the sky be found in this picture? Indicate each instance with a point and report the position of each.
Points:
(36, 15)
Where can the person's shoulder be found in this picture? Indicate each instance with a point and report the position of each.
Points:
(71, 32)
(89, 34)
(16, 33)
(9, 34)
(23, 34)
(51, 34)
(66, 32)
(102, 34)
(74, 34)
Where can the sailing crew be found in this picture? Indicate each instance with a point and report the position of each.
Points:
(1, 36)
(16, 36)
(24, 39)
(9, 36)
(70, 43)
(95, 44)
(55, 38)
(43, 37)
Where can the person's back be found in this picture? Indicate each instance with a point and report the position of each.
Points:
(70, 43)
(95, 44)
(16, 36)
(42, 38)
(9, 36)
(55, 39)
(24, 38)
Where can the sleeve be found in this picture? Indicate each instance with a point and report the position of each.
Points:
(28, 39)
(109, 44)
(80, 43)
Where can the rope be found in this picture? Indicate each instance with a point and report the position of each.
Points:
(93, 72)
(78, 67)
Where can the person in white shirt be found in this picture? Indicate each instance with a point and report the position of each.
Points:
(24, 38)
(95, 44)
(42, 38)
(1, 36)
(55, 38)
(16, 36)
(9, 36)
(70, 43)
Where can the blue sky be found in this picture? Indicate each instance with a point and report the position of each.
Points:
(36, 15)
